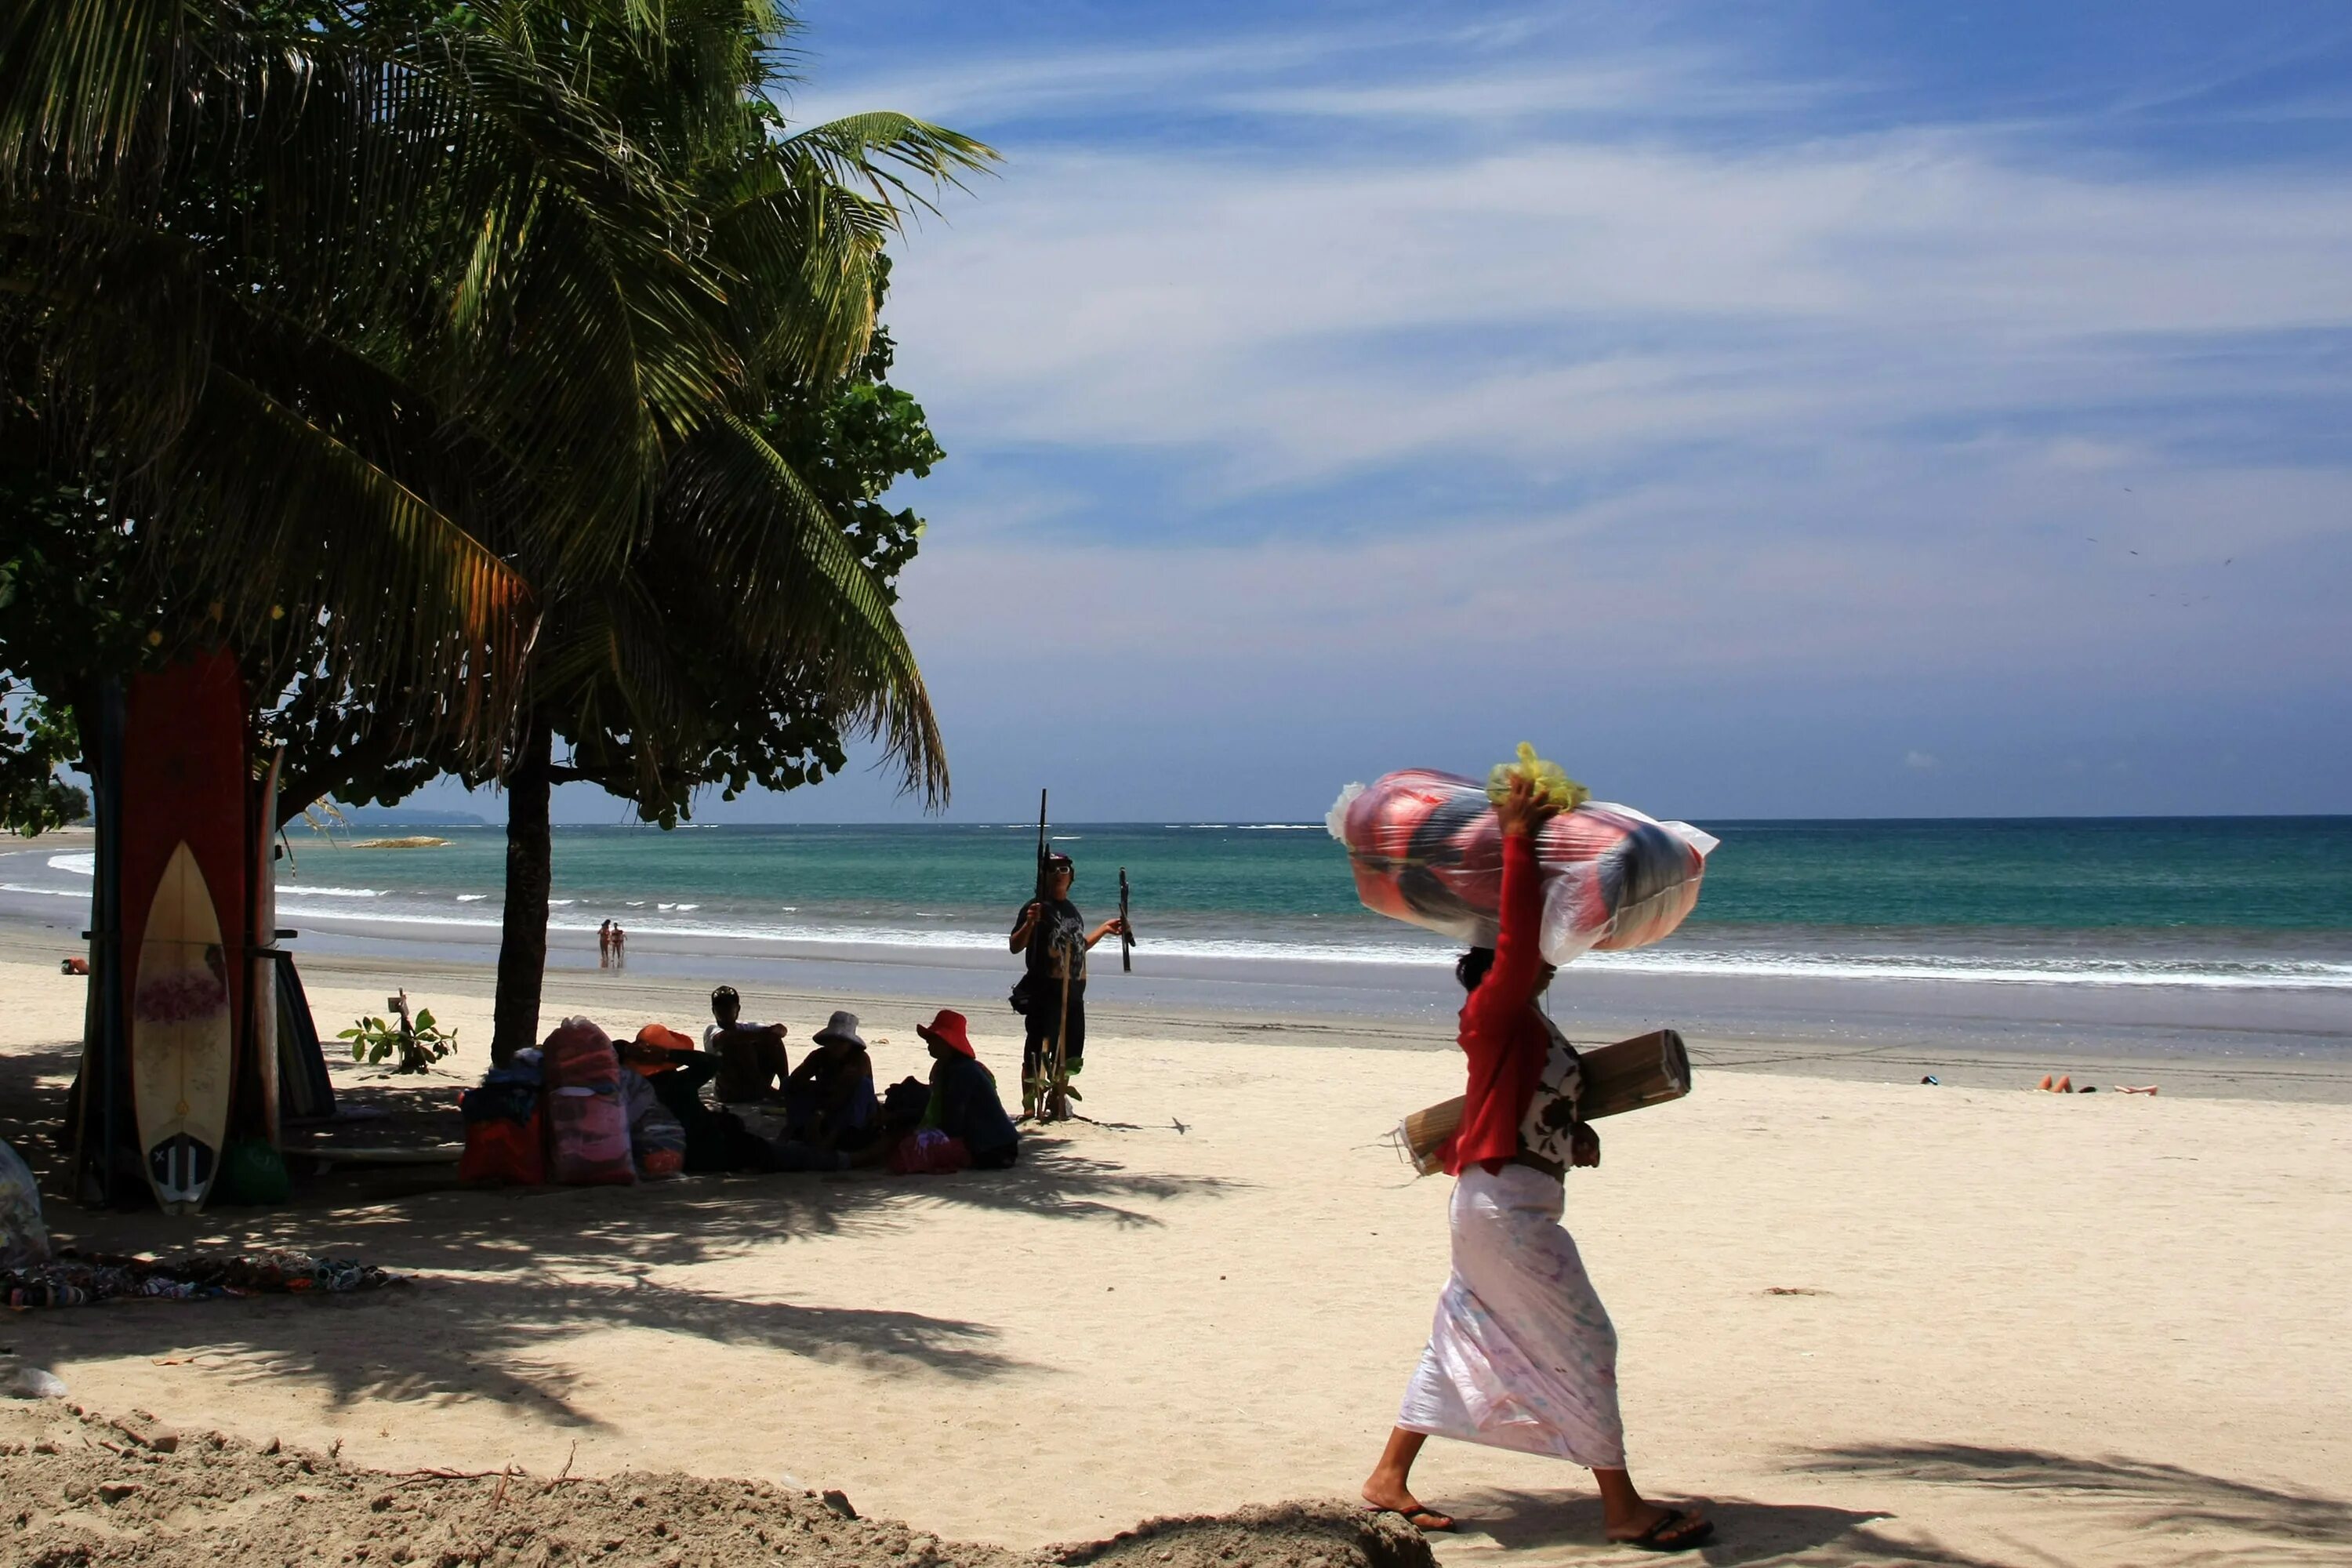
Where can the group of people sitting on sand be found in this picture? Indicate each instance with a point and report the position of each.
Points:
(824, 1114)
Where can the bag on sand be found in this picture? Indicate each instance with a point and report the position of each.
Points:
(1427, 849)
(929, 1153)
(656, 1139)
(251, 1172)
(24, 1239)
(587, 1129)
(503, 1153)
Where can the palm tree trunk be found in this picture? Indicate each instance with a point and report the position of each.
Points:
(523, 941)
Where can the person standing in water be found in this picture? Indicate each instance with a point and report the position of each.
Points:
(1054, 936)
(605, 945)
(1522, 1355)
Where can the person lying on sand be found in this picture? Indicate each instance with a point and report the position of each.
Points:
(964, 1102)
(829, 1099)
(1522, 1355)
(752, 1064)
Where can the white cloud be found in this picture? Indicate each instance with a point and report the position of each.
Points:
(1696, 410)
(1158, 301)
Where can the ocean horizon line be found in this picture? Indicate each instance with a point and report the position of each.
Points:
(391, 817)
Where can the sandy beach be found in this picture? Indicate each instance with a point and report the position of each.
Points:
(1872, 1322)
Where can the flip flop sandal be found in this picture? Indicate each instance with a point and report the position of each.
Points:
(1427, 1520)
(1677, 1529)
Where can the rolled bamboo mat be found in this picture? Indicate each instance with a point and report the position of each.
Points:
(1648, 1069)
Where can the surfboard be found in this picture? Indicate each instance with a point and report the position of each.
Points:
(183, 1036)
(187, 795)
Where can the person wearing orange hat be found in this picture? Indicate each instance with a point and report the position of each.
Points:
(964, 1102)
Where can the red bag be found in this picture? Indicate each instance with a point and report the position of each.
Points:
(588, 1138)
(929, 1153)
(578, 1055)
(501, 1151)
(587, 1130)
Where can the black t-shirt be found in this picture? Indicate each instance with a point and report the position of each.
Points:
(1058, 948)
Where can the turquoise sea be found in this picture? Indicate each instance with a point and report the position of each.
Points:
(2206, 901)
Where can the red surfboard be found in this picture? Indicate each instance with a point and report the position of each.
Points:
(186, 870)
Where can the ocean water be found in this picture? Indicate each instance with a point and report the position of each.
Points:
(2207, 903)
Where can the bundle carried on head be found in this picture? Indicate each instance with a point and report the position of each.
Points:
(1427, 849)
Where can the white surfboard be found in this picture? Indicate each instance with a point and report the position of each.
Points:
(183, 1038)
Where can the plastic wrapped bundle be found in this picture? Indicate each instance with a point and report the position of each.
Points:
(587, 1130)
(24, 1239)
(1427, 849)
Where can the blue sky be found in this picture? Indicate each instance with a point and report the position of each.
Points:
(1815, 409)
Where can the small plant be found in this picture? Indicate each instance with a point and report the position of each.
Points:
(419, 1041)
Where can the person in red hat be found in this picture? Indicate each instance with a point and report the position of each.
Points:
(963, 1095)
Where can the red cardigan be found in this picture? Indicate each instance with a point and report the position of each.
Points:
(1502, 1033)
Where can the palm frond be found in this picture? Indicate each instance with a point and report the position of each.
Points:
(892, 155)
(801, 601)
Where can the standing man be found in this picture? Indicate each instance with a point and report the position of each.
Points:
(1054, 935)
(1522, 1355)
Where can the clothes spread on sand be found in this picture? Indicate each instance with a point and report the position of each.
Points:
(1522, 1355)
(73, 1279)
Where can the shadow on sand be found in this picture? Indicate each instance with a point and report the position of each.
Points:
(2220, 1520)
(1549, 1523)
(504, 1276)
(2177, 1515)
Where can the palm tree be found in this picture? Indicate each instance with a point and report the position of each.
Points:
(415, 347)
(387, 322)
(743, 623)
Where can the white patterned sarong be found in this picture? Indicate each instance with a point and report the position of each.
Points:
(1522, 1355)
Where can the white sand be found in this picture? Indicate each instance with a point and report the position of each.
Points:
(2030, 1329)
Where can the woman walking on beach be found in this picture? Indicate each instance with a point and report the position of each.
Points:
(1522, 1355)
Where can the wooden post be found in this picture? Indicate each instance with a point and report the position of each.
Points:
(1126, 931)
(1057, 1094)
